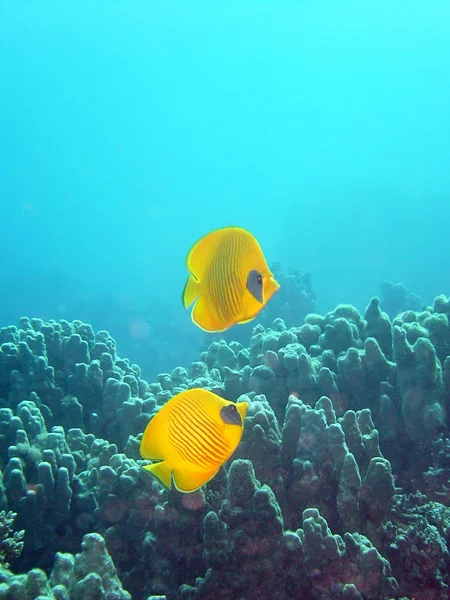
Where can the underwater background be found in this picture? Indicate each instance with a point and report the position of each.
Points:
(127, 132)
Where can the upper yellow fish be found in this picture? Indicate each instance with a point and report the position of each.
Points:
(229, 279)
(193, 435)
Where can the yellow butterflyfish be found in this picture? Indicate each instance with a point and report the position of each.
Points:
(192, 436)
(229, 279)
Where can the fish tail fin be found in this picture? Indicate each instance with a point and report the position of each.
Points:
(191, 291)
(162, 472)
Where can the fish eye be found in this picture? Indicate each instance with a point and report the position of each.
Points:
(230, 415)
(255, 285)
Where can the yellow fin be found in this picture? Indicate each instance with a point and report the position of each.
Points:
(245, 321)
(151, 446)
(190, 292)
(189, 482)
(204, 317)
(162, 471)
(199, 255)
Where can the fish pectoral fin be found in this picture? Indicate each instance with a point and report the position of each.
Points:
(189, 481)
(161, 471)
(190, 292)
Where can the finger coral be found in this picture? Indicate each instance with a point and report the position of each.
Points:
(339, 488)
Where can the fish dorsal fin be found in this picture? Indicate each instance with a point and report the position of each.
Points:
(199, 256)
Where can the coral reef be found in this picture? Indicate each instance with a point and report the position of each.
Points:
(340, 487)
(11, 541)
(294, 300)
(396, 299)
(89, 575)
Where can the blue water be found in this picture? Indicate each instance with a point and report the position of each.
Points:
(129, 130)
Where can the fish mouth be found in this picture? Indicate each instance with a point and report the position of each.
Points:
(242, 410)
(271, 287)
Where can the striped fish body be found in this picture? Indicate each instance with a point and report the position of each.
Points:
(190, 438)
(219, 266)
(224, 284)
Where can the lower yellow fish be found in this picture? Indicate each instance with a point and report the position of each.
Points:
(192, 435)
(229, 279)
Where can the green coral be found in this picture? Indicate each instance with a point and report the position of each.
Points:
(11, 542)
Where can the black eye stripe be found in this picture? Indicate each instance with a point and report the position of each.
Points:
(230, 415)
(255, 285)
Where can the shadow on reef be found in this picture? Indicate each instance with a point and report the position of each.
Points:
(339, 488)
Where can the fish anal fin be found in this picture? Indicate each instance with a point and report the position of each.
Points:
(245, 321)
(189, 481)
(161, 471)
(203, 316)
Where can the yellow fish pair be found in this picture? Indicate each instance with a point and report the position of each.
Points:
(196, 432)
